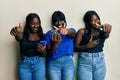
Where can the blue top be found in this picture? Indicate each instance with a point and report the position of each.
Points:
(98, 48)
(65, 47)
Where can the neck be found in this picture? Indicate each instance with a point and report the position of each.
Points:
(34, 36)
(95, 32)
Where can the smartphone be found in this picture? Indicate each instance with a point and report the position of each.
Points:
(43, 43)
(56, 32)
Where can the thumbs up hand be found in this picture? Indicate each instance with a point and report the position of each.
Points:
(16, 30)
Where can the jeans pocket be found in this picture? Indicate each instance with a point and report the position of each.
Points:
(85, 56)
(85, 59)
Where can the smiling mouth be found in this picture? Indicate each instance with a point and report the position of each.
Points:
(35, 29)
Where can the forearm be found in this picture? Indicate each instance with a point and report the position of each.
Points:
(19, 37)
(51, 50)
(81, 48)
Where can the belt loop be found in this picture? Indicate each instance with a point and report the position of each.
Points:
(99, 54)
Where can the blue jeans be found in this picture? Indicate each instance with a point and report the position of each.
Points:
(61, 69)
(31, 68)
(91, 66)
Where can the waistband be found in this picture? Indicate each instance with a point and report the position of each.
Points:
(92, 54)
(32, 59)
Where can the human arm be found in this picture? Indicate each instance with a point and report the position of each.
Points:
(66, 31)
(56, 39)
(41, 49)
(105, 29)
(78, 39)
(17, 32)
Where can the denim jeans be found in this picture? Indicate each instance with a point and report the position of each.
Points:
(91, 66)
(31, 68)
(61, 69)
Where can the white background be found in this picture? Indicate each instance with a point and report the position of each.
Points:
(14, 11)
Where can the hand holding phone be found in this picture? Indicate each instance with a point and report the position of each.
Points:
(43, 43)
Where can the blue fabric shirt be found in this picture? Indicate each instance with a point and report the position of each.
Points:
(65, 47)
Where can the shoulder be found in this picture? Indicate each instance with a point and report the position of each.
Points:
(72, 29)
(49, 32)
(82, 31)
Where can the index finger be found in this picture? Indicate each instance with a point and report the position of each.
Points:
(56, 28)
(53, 35)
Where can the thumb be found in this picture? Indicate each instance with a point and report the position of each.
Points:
(56, 28)
(20, 25)
(19, 28)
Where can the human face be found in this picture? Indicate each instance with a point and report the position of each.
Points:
(94, 20)
(34, 25)
(60, 24)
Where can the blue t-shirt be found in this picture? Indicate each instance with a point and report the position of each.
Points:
(65, 47)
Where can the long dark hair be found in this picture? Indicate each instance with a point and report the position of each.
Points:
(87, 18)
(27, 30)
(58, 16)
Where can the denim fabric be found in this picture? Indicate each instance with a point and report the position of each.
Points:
(61, 69)
(31, 68)
(91, 66)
